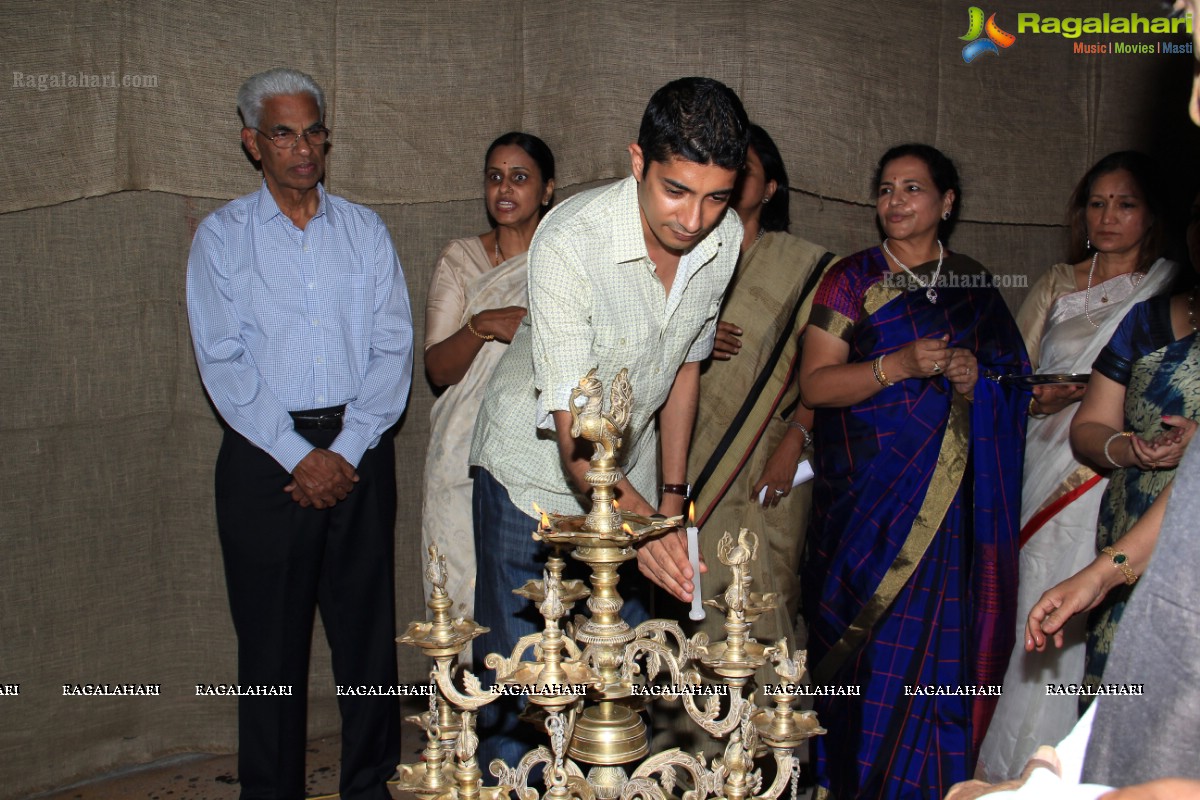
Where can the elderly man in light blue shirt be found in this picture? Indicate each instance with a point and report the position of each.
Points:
(303, 335)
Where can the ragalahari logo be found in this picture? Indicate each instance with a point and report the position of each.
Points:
(996, 38)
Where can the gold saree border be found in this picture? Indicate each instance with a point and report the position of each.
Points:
(878, 295)
(1078, 478)
(943, 485)
(831, 321)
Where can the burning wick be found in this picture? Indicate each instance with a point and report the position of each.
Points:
(544, 525)
(693, 546)
(625, 527)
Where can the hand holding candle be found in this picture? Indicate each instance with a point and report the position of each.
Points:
(693, 546)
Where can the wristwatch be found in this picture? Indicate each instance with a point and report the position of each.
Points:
(684, 489)
(1121, 562)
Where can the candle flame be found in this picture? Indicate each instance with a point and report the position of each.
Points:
(691, 515)
(545, 523)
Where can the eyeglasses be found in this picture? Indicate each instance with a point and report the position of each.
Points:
(286, 140)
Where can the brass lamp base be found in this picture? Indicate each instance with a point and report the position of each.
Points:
(608, 734)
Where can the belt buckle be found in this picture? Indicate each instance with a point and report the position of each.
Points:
(318, 422)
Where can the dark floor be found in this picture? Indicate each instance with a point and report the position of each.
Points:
(214, 777)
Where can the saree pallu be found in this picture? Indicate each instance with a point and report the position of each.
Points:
(740, 421)
(446, 509)
(912, 560)
(1070, 344)
(1060, 502)
(1166, 381)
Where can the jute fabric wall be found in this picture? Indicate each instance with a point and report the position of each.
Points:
(111, 570)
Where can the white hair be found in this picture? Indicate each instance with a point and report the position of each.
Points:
(273, 83)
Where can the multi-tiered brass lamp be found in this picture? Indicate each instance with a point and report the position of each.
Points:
(588, 682)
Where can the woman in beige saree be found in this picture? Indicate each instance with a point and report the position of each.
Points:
(476, 301)
(751, 430)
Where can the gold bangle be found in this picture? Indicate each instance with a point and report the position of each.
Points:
(880, 375)
(1121, 562)
(471, 328)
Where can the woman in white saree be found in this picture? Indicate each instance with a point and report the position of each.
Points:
(1116, 223)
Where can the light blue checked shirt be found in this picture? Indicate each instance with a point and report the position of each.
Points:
(285, 319)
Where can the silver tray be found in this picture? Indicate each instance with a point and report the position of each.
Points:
(1029, 381)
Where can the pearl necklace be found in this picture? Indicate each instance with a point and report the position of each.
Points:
(1087, 293)
(1135, 278)
(930, 292)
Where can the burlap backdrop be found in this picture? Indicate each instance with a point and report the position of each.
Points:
(111, 571)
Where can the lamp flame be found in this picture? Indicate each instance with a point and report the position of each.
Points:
(545, 523)
(625, 527)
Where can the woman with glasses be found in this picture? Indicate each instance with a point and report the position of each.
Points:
(476, 301)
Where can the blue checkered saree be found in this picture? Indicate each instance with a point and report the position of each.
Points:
(910, 577)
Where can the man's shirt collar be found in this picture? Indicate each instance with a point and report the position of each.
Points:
(268, 208)
(629, 241)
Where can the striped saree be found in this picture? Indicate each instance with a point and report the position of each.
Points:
(910, 579)
(734, 435)
(739, 424)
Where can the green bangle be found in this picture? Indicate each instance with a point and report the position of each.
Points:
(1121, 562)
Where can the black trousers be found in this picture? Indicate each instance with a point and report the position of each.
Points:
(281, 563)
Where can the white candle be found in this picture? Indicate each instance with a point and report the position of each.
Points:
(693, 545)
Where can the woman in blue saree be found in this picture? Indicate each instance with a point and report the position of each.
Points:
(910, 580)
(1136, 420)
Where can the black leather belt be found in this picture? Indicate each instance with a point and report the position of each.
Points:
(319, 419)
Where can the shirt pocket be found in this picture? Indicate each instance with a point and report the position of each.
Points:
(630, 337)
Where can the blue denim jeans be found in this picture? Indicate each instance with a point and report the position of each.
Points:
(506, 556)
